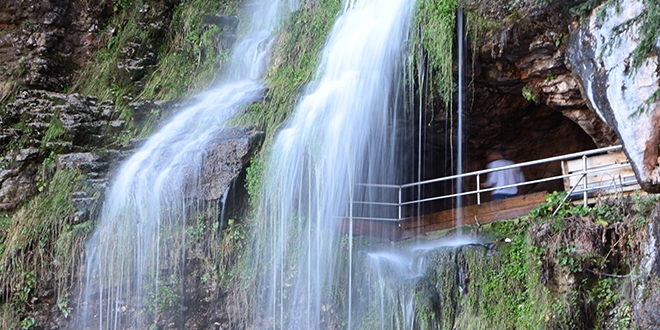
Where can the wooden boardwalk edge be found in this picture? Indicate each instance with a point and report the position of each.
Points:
(408, 228)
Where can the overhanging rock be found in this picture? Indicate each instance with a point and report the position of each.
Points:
(616, 90)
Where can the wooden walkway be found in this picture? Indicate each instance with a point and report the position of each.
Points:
(411, 227)
(587, 175)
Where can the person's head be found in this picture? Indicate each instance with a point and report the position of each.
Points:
(494, 154)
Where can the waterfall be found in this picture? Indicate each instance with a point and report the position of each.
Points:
(342, 135)
(399, 274)
(142, 226)
(459, 143)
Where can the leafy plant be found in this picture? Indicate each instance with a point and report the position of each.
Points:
(23, 291)
(164, 298)
(63, 305)
(528, 93)
(22, 66)
(568, 258)
(559, 39)
(28, 323)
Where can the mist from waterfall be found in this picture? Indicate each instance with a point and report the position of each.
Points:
(142, 225)
(343, 134)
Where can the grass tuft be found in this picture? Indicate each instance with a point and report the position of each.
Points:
(39, 246)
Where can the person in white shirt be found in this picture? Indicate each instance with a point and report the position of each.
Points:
(503, 177)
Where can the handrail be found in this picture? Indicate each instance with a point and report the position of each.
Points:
(517, 165)
(552, 178)
(583, 175)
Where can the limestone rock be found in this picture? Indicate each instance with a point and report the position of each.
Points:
(93, 164)
(79, 120)
(227, 156)
(39, 124)
(647, 298)
(18, 172)
(616, 91)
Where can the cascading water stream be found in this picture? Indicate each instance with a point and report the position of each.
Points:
(141, 230)
(459, 143)
(342, 135)
(397, 274)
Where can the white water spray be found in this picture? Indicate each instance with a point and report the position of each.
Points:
(142, 227)
(342, 134)
(398, 273)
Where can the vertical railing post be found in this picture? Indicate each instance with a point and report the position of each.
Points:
(400, 215)
(584, 172)
(478, 191)
(350, 258)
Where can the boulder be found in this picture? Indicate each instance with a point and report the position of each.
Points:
(615, 90)
(227, 155)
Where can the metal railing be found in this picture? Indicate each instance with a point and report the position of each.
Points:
(400, 203)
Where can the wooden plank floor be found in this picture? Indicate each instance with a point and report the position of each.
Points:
(485, 213)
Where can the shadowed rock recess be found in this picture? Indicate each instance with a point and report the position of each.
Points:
(542, 81)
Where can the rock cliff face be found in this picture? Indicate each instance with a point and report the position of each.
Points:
(37, 126)
(523, 98)
(600, 58)
(540, 89)
(43, 41)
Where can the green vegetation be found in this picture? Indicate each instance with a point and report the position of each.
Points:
(556, 272)
(193, 56)
(574, 270)
(295, 60)
(164, 298)
(54, 132)
(528, 93)
(187, 54)
(40, 248)
(433, 40)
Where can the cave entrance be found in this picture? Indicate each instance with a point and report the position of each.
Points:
(523, 133)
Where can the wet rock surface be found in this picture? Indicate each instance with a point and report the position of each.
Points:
(228, 154)
(616, 91)
(647, 299)
(226, 25)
